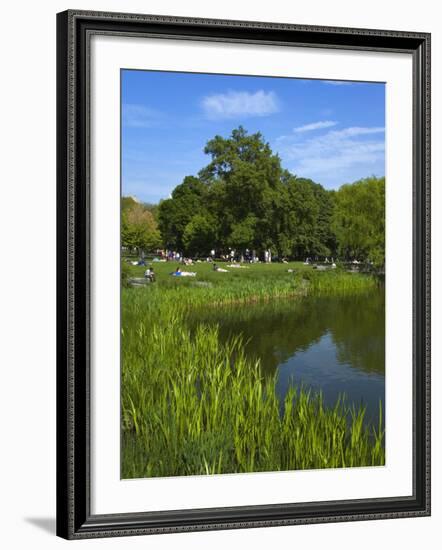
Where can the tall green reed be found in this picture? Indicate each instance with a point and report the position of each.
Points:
(193, 405)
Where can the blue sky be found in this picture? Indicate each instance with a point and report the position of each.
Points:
(330, 131)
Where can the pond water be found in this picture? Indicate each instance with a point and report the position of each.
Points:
(332, 344)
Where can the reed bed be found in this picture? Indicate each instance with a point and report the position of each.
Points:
(192, 404)
(211, 289)
(189, 408)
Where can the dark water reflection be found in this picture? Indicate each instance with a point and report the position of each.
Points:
(336, 345)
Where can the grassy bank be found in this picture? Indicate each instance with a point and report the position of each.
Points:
(194, 405)
(251, 284)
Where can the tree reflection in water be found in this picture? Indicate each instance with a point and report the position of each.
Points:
(335, 344)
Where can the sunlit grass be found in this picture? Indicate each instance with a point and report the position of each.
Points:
(189, 408)
(251, 284)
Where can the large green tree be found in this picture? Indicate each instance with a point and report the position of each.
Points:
(200, 234)
(187, 201)
(306, 217)
(359, 220)
(139, 229)
(244, 177)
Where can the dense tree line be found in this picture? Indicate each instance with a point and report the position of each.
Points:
(139, 229)
(245, 199)
(359, 220)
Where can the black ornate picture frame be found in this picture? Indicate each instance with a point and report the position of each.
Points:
(74, 32)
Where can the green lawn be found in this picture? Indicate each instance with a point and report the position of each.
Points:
(205, 272)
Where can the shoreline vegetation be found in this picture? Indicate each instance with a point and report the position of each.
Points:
(193, 405)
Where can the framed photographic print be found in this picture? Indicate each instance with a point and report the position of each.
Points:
(243, 274)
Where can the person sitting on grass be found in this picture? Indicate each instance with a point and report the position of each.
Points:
(149, 274)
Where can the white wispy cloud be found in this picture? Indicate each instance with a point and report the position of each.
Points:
(336, 150)
(246, 104)
(358, 131)
(315, 126)
(140, 116)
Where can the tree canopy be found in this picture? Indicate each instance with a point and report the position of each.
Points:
(138, 226)
(359, 220)
(245, 199)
